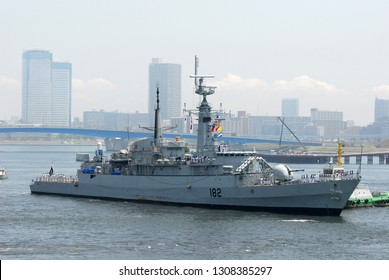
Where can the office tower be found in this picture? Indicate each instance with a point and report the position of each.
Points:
(61, 88)
(36, 87)
(290, 107)
(46, 90)
(168, 78)
(381, 110)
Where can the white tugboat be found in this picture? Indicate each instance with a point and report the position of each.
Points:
(3, 173)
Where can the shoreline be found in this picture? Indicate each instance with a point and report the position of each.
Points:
(271, 147)
(50, 143)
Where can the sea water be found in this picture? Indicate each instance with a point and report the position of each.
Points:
(55, 227)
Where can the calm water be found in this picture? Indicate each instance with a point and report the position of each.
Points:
(50, 227)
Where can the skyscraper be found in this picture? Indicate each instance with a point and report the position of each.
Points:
(168, 77)
(46, 89)
(290, 107)
(61, 88)
(381, 110)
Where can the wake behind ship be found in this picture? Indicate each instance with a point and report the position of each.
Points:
(161, 171)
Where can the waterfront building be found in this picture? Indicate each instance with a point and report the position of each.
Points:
(115, 120)
(381, 110)
(236, 125)
(168, 78)
(290, 107)
(46, 90)
(331, 121)
(264, 127)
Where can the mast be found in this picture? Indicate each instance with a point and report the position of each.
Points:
(157, 121)
(157, 128)
(205, 141)
(196, 68)
(340, 152)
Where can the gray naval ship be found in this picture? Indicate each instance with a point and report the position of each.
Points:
(158, 170)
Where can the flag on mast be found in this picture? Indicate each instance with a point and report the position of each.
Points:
(51, 172)
(191, 125)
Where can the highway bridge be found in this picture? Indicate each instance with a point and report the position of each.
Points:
(107, 134)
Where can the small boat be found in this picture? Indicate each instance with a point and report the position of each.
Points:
(3, 173)
(364, 197)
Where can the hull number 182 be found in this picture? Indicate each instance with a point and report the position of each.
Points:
(215, 192)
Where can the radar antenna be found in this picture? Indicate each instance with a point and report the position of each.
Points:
(201, 89)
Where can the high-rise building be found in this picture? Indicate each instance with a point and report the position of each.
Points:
(46, 89)
(381, 110)
(36, 87)
(290, 107)
(168, 78)
(61, 88)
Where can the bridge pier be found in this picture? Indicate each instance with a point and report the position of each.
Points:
(366, 159)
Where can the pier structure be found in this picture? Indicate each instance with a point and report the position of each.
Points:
(351, 158)
(367, 158)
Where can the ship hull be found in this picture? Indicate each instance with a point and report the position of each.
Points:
(224, 192)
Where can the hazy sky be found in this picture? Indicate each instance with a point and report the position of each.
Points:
(332, 55)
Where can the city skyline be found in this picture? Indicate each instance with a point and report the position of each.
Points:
(330, 55)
